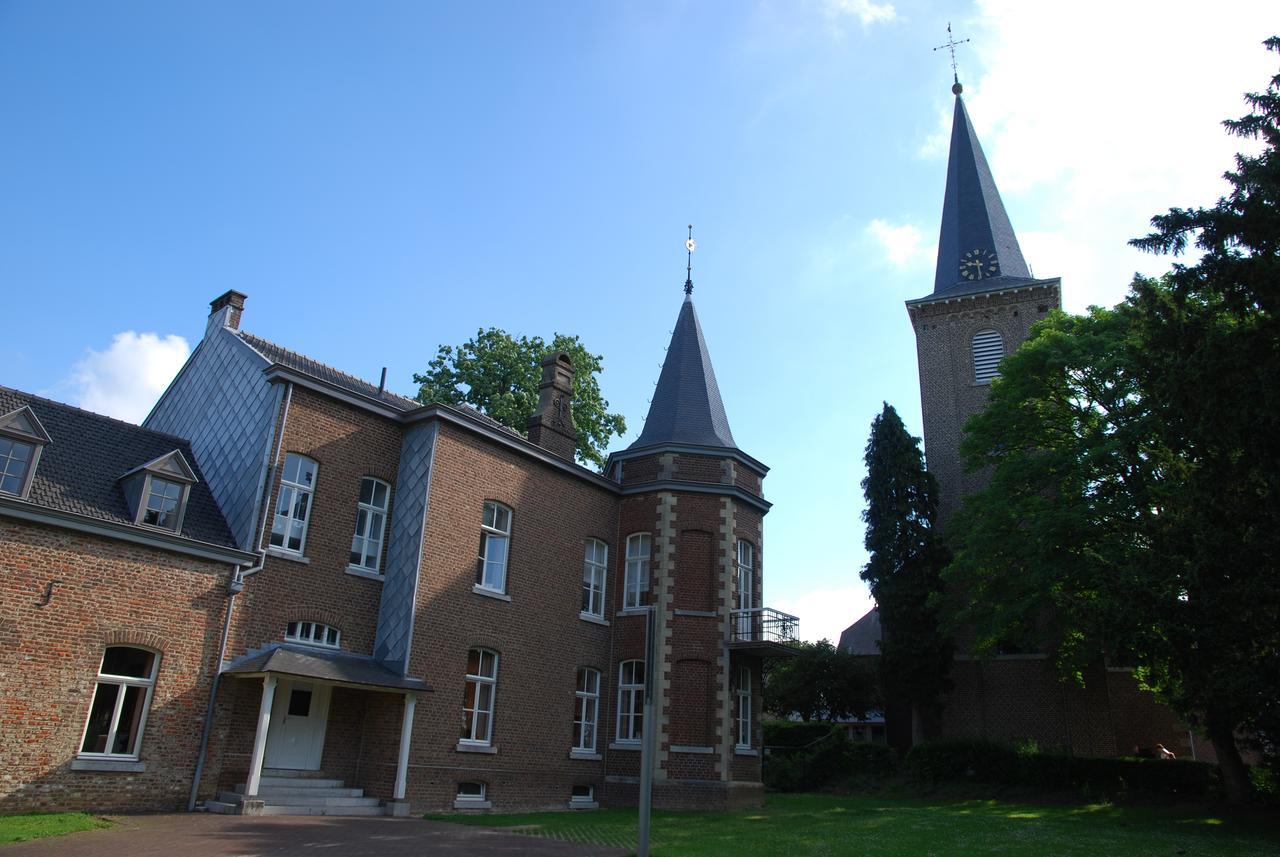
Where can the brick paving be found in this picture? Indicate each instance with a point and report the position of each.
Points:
(202, 835)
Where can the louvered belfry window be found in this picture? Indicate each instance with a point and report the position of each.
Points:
(988, 350)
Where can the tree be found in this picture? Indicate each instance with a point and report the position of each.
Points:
(819, 682)
(907, 557)
(1133, 508)
(498, 374)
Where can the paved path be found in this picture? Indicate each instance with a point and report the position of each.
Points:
(204, 835)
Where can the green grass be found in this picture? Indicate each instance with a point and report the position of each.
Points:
(810, 825)
(19, 828)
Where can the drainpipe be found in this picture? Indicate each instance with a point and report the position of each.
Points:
(234, 586)
(271, 480)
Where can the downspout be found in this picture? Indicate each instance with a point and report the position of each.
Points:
(271, 481)
(234, 585)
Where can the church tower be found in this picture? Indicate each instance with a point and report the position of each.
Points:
(690, 533)
(983, 303)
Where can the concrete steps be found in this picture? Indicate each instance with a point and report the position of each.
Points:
(296, 793)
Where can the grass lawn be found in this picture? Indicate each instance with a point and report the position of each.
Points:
(17, 828)
(811, 825)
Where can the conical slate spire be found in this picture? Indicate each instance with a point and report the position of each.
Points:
(686, 406)
(976, 242)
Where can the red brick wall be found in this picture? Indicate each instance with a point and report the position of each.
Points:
(107, 593)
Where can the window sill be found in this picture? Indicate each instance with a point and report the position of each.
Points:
(594, 619)
(584, 804)
(490, 593)
(472, 804)
(684, 748)
(585, 754)
(292, 557)
(745, 751)
(706, 614)
(625, 745)
(632, 611)
(119, 766)
(357, 571)
(464, 747)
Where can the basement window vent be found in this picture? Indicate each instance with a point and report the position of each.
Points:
(988, 351)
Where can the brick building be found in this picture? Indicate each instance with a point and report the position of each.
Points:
(116, 574)
(443, 613)
(982, 306)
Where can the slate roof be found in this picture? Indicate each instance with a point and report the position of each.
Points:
(336, 665)
(80, 468)
(863, 636)
(973, 217)
(321, 371)
(686, 406)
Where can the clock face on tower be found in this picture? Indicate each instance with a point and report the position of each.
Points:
(978, 264)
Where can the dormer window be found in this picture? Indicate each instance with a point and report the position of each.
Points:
(157, 491)
(22, 438)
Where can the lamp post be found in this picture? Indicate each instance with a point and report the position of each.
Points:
(647, 732)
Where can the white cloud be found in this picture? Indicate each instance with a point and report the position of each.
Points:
(824, 613)
(868, 12)
(125, 380)
(902, 244)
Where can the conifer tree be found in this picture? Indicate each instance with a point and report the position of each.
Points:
(907, 558)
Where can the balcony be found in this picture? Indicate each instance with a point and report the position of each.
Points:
(763, 631)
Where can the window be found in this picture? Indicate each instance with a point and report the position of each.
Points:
(477, 697)
(120, 701)
(495, 539)
(164, 501)
(988, 351)
(293, 506)
(636, 580)
(630, 700)
(314, 633)
(15, 459)
(371, 522)
(584, 794)
(744, 595)
(594, 565)
(586, 711)
(742, 713)
(472, 793)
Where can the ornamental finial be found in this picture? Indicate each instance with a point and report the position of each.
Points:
(689, 245)
(951, 46)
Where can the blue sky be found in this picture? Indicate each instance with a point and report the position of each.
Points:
(383, 178)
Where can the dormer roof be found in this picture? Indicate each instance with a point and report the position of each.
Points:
(23, 422)
(171, 465)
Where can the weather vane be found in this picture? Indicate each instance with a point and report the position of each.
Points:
(951, 46)
(690, 245)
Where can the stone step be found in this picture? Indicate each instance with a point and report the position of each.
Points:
(297, 783)
(292, 773)
(266, 792)
(276, 809)
(302, 800)
(220, 807)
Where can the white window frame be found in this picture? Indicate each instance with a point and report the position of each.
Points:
(635, 583)
(491, 575)
(989, 368)
(630, 725)
(123, 683)
(372, 512)
(24, 477)
(477, 798)
(180, 502)
(744, 588)
(587, 800)
(742, 714)
(586, 711)
(595, 567)
(313, 634)
(475, 684)
(292, 489)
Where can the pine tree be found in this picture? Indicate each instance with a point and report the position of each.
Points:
(907, 558)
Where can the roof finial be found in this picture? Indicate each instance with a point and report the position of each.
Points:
(951, 45)
(689, 245)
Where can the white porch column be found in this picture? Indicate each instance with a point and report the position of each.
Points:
(406, 732)
(260, 736)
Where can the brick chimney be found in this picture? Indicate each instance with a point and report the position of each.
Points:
(551, 426)
(225, 311)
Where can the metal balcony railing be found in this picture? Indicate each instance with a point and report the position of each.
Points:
(762, 625)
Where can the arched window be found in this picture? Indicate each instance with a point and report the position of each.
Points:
(630, 701)
(477, 696)
(293, 505)
(988, 351)
(742, 714)
(744, 591)
(594, 564)
(586, 711)
(495, 539)
(315, 633)
(120, 702)
(371, 523)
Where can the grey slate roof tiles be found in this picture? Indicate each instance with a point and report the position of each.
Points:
(80, 468)
(863, 636)
(686, 407)
(311, 662)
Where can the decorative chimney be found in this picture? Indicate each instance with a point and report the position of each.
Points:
(551, 426)
(225, 311)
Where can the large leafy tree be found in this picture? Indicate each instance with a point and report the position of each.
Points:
(904, 569)
(1134, 505)
(819, 682)
(498, 374)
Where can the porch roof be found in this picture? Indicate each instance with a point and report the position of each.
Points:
(336, 666)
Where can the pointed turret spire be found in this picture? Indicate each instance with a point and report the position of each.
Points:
(976, 243)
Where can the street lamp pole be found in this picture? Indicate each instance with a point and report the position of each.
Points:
(648, 731)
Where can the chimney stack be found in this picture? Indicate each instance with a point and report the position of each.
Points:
(225, 311)
(551, 426)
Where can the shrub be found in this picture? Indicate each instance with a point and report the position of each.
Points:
(794, 733)
(806, 756)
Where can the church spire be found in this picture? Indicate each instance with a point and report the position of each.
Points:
(976, 243)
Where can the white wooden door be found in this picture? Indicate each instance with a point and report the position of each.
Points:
(295, 738)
